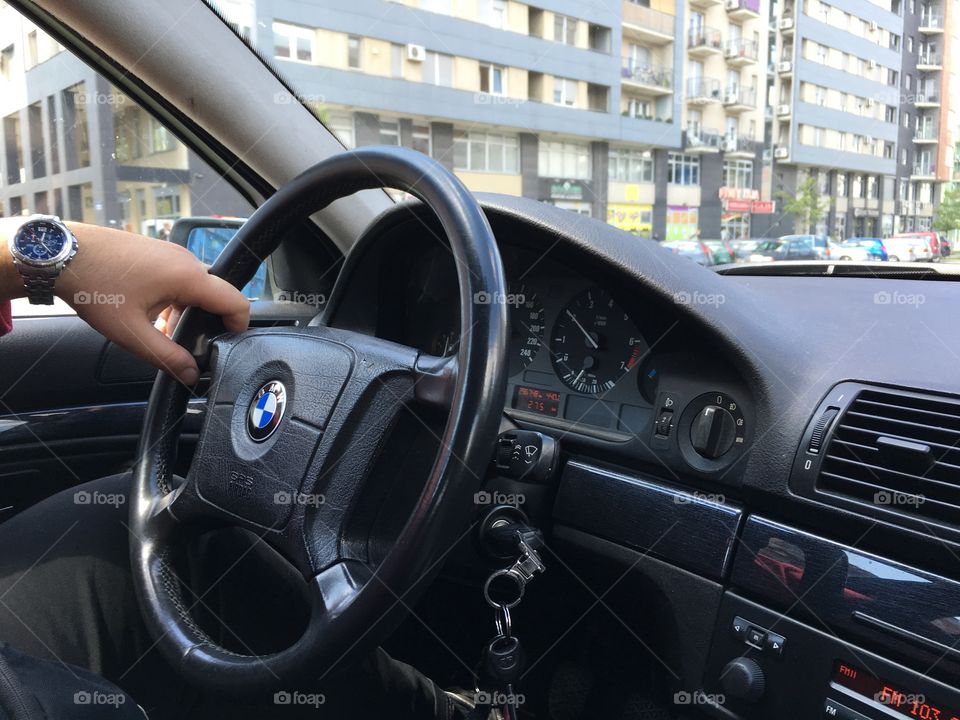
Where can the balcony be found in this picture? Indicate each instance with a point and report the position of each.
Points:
(742, 9)
(739, 147)
(704, 41)
(926, 136)
(654, 80)
(701, 91)
(929, 61)
(700, 141)
(705, 3)
(737, 98)
(931, 22)
(651, 26)
(740, 52)
(924, 171)
(927, 99)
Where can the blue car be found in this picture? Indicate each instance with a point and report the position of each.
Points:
(861, 249)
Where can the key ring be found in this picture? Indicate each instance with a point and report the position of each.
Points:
(512, 575)
(502, 621)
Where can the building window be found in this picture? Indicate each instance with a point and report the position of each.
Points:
(161, 139)
(494, 13)
(890, 114)
(420, 139)
(893, 77)
(438, 69)
(292, 42)
(903, 156)
(632, 166)
(565, 29)
(342, 128)
(564, 91)
(486, 152)
(888, 150)
(683, 169)
(492, 79)
(738, 173)
(909, 43)
(389, 132)
(841, 184)
(872, 187)
(564, 160)
(908, 81)
(354, 46)
(906, 119)
(33, 55)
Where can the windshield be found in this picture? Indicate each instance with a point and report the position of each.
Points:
(733, 121)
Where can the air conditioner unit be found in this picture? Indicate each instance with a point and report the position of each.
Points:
(786, 23)
(874, 27)
(416, 53)
(783, 109)
(732, 4)
(781, 153)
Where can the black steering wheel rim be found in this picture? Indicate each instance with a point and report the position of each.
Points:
(348, 601)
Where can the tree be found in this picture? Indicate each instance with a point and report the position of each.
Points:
(806, 206)
(948, 212)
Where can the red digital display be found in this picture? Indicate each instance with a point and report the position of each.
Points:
(898, 699)
(536, 400)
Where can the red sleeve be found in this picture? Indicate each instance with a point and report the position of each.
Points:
(6, 320)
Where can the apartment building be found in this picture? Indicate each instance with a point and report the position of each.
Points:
(858, 98)
(75, 147)
(586, 106)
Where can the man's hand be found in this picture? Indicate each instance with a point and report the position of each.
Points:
(121, 283)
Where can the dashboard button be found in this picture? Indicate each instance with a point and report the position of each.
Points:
(835, 711)
(756, 637)
(740, 627)
(664, 423)
(774, 644)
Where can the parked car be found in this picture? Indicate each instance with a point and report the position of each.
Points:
(743, 248)
(932, 240)
(696, 250)
(790, 247)
(860, 249)
(821, 244)
(722, 250)
(908, 248)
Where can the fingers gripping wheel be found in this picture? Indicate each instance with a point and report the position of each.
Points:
(298, 414)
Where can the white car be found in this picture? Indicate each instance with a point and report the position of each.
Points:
(908, 249)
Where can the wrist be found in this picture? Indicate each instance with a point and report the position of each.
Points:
(11, 284)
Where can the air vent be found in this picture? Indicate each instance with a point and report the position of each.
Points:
(899, 451)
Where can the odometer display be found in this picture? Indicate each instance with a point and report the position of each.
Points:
(594, 343)
(536, 400)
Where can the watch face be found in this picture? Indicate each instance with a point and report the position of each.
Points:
(40, 241)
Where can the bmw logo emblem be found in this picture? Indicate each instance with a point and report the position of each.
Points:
(266, 410)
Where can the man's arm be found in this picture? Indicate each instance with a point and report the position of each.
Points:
(120, 283)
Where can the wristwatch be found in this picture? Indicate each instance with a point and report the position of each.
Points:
(41, 249)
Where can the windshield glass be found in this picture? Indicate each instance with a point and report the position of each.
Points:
(732, 121)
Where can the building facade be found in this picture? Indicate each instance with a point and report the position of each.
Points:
(668, 118)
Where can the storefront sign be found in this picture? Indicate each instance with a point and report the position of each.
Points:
(735, 193)
(566, 190)
(682, 222)
(757, 207)
(763, 207)
(738, 205)
(637, 219)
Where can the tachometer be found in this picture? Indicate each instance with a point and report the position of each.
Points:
(526, 329)
(594, 343)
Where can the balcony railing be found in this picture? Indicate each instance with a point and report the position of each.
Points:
(740, 95)
(741, 143)
(703, 137)
(926, 133)
(702, 88)
(648, 19)
(931, 19)
(655, 75)
(927, 96)
(704, 37)
(741, 48)
(930, 59)
(924, 169)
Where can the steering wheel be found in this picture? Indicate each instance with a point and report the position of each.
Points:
(295, 415)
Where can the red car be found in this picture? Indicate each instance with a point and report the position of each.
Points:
(931, 237)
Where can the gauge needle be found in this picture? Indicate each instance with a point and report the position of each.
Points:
(587, 335)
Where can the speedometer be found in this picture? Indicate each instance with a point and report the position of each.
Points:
(594, 343)
(526, 329)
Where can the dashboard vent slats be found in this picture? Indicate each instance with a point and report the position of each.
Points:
(898, 450)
